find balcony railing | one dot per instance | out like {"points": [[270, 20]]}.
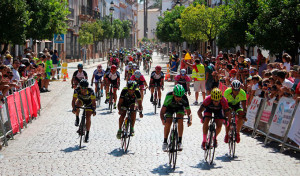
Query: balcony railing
{"points": [[83, 10], [71, 15], [96, 15]]}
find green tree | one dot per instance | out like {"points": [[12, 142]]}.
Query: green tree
{"points": [[167, 28], [126, 24], [235, 24], [118, 29], [48, 17], [14, 19], [277, 27], [201, 23]]}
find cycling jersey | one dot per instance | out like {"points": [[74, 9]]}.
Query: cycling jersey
{"points": [[114, 61], [175, 107], [156, 78], [139, 81], [129, 99], [86, 99], [79, 75], [234, 101], [183, 80], [217, 110], [113, 78], [98, 75]]}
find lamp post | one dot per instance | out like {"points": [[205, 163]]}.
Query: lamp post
{"points": [[178, 3], [111, 10]]}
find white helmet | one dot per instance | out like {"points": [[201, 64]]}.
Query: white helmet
{"points": [[236, 84], [182, 71], [137, 73]]}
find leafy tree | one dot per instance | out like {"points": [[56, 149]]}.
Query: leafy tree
{"points": [[48, 17], [235, 24], [277, 26], [201, 23], [14, 19], [118, 29], [167, 28], [85, 36], [126, 24]]}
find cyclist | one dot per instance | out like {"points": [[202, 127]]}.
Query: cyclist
{"points": [[84, 96], [121, 58], [78, 76], [235, 97], [183, 80], [141, 82], [97, 76], [148, 61], [214, 103], [157, 80], [114, 61], [175, 102], [128, 69], [128, 98], [113, 78]]}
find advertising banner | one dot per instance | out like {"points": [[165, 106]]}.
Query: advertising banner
{"points": [[252, 112], [267, 111], [294, 133]]}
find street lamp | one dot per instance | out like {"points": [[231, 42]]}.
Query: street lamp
{"points": [[178, 3], [111, 10]]}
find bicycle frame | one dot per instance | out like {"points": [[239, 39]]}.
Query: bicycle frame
{"points": [[232, 135], [111, 94], [211, 140], [126, 130], [82, 126]]}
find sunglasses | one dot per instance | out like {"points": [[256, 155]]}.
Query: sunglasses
{"points": [[216, 101]]}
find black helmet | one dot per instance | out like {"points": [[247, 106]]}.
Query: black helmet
{"points": [[131, 85], [84, 83], [79, 66]]}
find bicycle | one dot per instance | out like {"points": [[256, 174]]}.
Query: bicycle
{"points": [[232, 135], [98, 93], [210, 146], [173, 140], [82, 126], [155, 98], [147, 67], [111, 99], [126, 130]]}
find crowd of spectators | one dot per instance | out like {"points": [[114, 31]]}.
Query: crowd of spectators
{"points": [[15, 72], [259, 77]]}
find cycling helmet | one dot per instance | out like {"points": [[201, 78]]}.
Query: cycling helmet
{"points": [[148, 55], [134, 65], [137, 73], [178, 90], [113, 68], [182, 71], [131, 85], [99, 66], [114, 55], [79, 66], [158, 68], [84, 83], [129, 64], [216, 94], [236, 84]]}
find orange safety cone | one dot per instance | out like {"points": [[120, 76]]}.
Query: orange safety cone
{"points": [[67, 75], [64, 77]]}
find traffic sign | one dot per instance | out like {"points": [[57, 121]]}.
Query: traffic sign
{"points": [[59, 38]]}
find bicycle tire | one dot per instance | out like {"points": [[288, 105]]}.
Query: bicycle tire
{"points": [[81, 132], [123, 135], [212, 148], [110, 102], [175, 149], [171, 147], [128, 134], [155, 101]]}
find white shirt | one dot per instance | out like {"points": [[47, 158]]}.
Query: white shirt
{"points": [[287, 83], [16, 75], [256, 89], [287, 66]]}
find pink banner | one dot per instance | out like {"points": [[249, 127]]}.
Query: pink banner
{"points": [[28, 94], [34, 100], [222, 87], [12, 114], [38, 94], [25, 105], [19, 110]]}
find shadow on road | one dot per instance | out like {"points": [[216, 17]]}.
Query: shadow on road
{"points": [[165, 170], [205, 166], [72, 149], [118, 152], [227, 158], [149, 114]]}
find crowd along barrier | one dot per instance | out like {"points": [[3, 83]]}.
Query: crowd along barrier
{"points": [[18, 109], [276, 121]]}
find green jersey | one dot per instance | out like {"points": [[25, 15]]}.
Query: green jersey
{"points": [[234, 101]]}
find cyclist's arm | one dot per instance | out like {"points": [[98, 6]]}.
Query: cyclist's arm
{"points": [[201, 109], [140, 106], [85, 74], [244, 105], [120, 103], [92, 81], [94, 104], [162, 112]]}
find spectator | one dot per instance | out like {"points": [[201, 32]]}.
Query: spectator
{"points": [[48, 68], [199, 80], [208, 77], [259, 57], [263, 66], [286, 59], [55, 60], [16, 75], [7, 60]]}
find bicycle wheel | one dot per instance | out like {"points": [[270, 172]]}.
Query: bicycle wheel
{"points": [[81, 132], [110, 102], [98, 98], [123, 136], [155, 101], [211, 146], [171, 145], [175, 149]]}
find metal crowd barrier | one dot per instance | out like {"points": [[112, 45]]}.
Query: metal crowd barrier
{"points": [[5, 122], [263, 128]]}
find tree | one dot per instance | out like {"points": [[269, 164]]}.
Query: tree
{"points": [[167, 28], [118, 29], [48, 17], [14, 19], [108, 31], [85, 36], [277, 26], [201, 23], [235, 24]]}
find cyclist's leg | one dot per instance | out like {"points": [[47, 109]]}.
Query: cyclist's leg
{"points": [[240, 119], [115, 94], [96, 86], [88, 119], [180, 124], [78, 103], [121, 119], [142, 93], [167, 124], [207, 117], [219, 121], [133, 114]]}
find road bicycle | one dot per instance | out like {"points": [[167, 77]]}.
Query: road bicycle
{"points": [[232, 135], [98, 93], [173, 140], [82, 125], [126, 130], [111, 99], [147, 67], [210, 145], [155, 101]]}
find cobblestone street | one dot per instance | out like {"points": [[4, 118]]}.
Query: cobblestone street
{"points": [[49, 146]]}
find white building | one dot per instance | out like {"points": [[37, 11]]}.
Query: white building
{"points": [[153, 15]]}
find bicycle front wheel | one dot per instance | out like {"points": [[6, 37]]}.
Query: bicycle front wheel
{"points": [[125, 137], [232, 142], [210, 148], [175, 149]]}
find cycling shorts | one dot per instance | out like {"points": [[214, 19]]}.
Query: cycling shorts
{"points": [[236, 107], [155, 83], [86, 104], [218, 114], [171, 111]]}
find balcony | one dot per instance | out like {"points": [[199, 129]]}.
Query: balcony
{"points": [[83, 10], [71, 15], [96, 14]]}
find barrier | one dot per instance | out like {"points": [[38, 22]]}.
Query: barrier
{"points": [[18, 109], [276, 121]]}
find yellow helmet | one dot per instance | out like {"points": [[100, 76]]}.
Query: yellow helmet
{"points": [[216, 94]]}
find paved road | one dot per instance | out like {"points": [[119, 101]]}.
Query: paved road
{"points": [[49, 146]]}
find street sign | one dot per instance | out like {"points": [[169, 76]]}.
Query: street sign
{"points": [[59, 38]]}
